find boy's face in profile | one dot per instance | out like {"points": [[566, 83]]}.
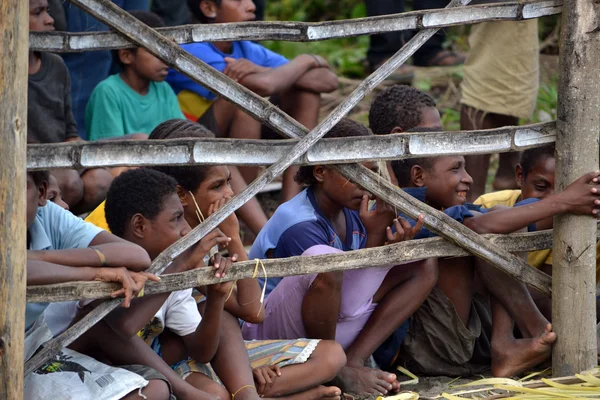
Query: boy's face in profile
{"points": [[54, 194], [39, 19], [230, 11], [36, 197], [539, 182], [447, 181], [144, 64], [166, 228]]}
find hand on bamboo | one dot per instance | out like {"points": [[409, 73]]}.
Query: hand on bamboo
{"points": [[582, 197], [193, 257], [132, 282], [403, 230], [221, 265], [376, 220]]}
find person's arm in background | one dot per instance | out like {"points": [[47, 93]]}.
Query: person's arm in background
{"points": [[581, 197]]}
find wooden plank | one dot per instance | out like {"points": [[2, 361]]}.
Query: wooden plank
{"points": [[161, 47], [366, 258], [13, 125], [574, 252], [82, 155], [303, 31]]}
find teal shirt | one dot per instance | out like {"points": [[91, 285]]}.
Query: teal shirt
{"points": [[115, 109]]}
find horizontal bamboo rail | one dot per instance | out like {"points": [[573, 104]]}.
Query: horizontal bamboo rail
{"points": [[374, 257], [80, 155], [304, 31]]}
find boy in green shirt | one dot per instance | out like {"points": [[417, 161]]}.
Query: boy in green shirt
{"points": [[135, 100]]}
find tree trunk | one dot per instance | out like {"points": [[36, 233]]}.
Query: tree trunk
{"points": [[578, 126]]}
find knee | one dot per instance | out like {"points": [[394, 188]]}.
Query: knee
{"points": [[428, 272], [96, 183], [157, 389], [217, 391], [331, 357]]}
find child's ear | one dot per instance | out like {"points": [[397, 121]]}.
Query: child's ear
{"points": [[139, 225], [43, 194], [125, 56], [397, 129], [182, 194], [319, 173], [208, 8], [417, 176], [519, 175]]}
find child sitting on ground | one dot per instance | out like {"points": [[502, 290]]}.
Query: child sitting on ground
{"points": [[135, 100], [535, 176], [454, 303], [303, 365], [63, 248], [50, 119], [294, 85], [359, 308]]}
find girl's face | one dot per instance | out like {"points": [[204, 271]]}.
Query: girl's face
{"points": [[339, 189], [215, 187]]}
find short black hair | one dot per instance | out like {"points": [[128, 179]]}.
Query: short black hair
{"points": [[345, 128], [188, 177], [149, 18], [194, 6], [530, 157], [142, 191], [402, 168], [39, 177], [397, 105]]}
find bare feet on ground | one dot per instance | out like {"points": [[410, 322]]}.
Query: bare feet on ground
{"points": [[316, 393], [364, 380], [521, 354]]}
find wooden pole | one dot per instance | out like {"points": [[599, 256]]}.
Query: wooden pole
{"points": [[13, 145], [574, 252]]}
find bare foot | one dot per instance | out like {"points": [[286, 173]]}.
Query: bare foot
{"points": [[316, 393], [364, 380], [522, 354]]}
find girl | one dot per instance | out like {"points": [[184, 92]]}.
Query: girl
{"points": [[359, 309]]}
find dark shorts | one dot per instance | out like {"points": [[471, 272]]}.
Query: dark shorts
{"points": [[438, 343]]}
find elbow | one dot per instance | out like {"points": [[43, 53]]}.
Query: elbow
{"points": [[140, 259]]}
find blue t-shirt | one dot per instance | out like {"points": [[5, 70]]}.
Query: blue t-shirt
{"points": [[214, 57], [458, 213], [297, 225], [55, 229]]}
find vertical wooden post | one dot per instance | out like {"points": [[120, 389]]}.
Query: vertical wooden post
{"points": [[13, 144], [574, 251]]}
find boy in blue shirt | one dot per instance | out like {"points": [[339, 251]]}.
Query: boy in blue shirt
{"points": [[294, 85], [136, 100]]}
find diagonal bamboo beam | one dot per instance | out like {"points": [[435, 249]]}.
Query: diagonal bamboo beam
{"points": [[161, 47], [366, 258], [303, 31], [81, 155]]}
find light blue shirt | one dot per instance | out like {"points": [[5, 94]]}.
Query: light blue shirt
{"points": [[55, 228]]}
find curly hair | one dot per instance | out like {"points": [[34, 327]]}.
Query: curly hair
{"points": [[345, 128], [137, 191], [530, 157], [402, 168], [188, 177], [397, 105], [39, 177]]}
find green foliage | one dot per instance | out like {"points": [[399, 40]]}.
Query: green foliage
{"points": [[314, 10]]}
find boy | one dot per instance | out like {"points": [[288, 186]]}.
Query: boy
{"points": [[454, 303], [50, 119], [535, 176], [155, 222], [294, 85], [63, 248], [135, 100], [399, 108]]}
